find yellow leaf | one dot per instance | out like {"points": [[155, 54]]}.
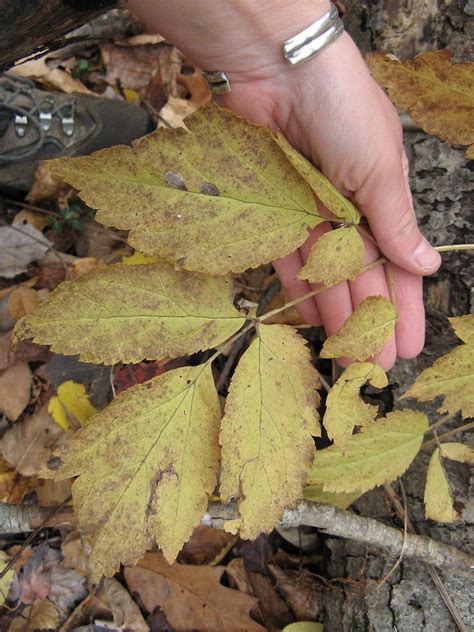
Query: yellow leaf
{"points": [[458, 452], [365, 333], [138, 258], [336, 256], [304, 626], [438, 95], [6, 579], [71, 397], [41, 615], [344, 408], [339, 205], [452, 375], [316, 494], [378, 454], [145, 464], [126, 313], [216, 197], [270, 417], [438, 501]]}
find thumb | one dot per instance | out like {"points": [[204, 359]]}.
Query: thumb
{"points": [[386, 201]]}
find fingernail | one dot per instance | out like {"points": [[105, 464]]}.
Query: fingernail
{"points": [[427, 258]]}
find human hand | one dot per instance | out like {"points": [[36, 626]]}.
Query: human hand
{"points": [[332, 111]]}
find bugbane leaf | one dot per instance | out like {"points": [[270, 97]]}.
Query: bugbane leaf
{"points": [[145, 465], [438, 500], [339, 205], [270, 415], [378, 454], [126, 313], [365, 333], [438, 94], [218, 196], [452, 375], [457, 452], [316, 494], [336, 256], [344, 407]]}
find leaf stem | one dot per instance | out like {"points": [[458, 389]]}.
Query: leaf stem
{"points": [[450, 247], [433, 442]]}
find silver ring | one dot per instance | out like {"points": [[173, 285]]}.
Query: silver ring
{"points": [[217, 81], [313, 39]]}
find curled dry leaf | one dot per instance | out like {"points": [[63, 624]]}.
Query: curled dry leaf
{"points": [[365, 332], [191, 597], [20, 246], [15, 390], [270, 417]]}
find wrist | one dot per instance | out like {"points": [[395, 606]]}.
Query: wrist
{"points": [[242, 37]]}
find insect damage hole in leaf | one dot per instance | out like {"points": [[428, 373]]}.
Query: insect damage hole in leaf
{"points": [[145, 467], [344, 407], [270, 418], [127, 313], [221, 195]]}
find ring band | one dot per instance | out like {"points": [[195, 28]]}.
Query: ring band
{"points": [[314, 38]]}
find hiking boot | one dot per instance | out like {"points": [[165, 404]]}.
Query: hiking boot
{"points": [[36, 125]]}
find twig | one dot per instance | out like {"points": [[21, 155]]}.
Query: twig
{"points": [[349, 525], [445, 435], [405, 533], [454, 247]]}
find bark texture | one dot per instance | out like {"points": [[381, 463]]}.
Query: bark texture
{"points": [[442, 185], [29, 25]]}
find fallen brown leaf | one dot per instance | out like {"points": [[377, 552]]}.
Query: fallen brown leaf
{"points": [[41, 615], [13, 486], [300, 590], [24, 300], [15, 390], [28, 445], [206, 546], [196, 86], [191, 597], [126, 613], [52, 78]]}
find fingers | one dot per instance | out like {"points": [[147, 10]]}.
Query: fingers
{"points": [[410, 329], [386, 201], [287, 269]]}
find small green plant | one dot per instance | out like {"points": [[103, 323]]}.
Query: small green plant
{"points": [[217, 198]]}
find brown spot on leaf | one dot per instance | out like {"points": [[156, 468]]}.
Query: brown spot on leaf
{"points": [[175, 180], [209, 189]]}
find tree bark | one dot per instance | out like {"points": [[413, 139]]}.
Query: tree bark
{"points": [[29, 26]]}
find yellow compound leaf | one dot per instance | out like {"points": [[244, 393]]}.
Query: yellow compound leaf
{"points": [[365, 333], [438, 95], [71, 398], [126, 313], [336, 256], [270, 417], [344, 407], [145, 464], [378, 454], [216, 197], [438, 500], [458, 452], [339, 205], [452, 375]]}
